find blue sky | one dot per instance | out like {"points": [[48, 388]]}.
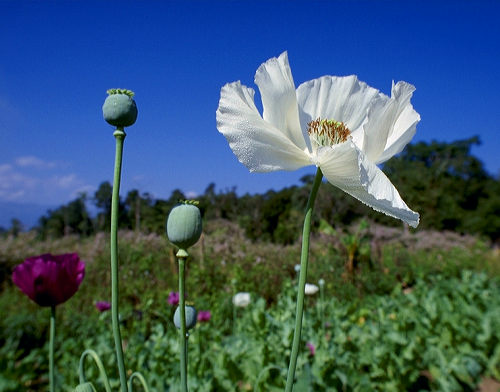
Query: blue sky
{"points": [[57, 60]]}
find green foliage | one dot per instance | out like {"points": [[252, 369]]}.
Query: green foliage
{"points": [[449, 330], [411, 311]]}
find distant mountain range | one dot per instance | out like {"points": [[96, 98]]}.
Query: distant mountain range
{"points": [[28, 214]]}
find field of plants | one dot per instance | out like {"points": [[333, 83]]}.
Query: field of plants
{"points": [[399, 311]]}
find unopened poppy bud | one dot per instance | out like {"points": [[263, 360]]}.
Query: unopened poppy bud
{"points": [[119, 108], [85, 387], [190, 317], [184, 225]]}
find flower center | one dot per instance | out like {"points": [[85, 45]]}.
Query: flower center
{"points": [[327, 132]]}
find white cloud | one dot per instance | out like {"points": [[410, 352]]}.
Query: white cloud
{"points": [[11, 196], [5, 168], [19, 183], [138, 178], [13, 185], [191, 194], [88, 189], [66, 181], [32, 161]]}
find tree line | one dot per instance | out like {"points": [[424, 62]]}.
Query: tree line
{"points": [[444, 182]]}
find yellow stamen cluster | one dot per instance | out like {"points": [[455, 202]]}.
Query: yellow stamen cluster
{"points": [[328, 132]]}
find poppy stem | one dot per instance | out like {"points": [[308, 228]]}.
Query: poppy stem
{"points": [[52, 336], [183, 331], [322, 309], [119, 135], [97, 361], [304, 259]]}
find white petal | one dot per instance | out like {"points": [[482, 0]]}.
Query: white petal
{"points": [[336, 98], [279, 99], [256, 143], [347, 168], [381, 118], [391, 127]]}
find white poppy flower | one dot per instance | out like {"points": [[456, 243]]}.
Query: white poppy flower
{"points": [[311, 289], [241, 300], [340, 124]]}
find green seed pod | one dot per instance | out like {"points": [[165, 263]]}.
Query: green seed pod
{"points": [[184, 225], [190, 317], [119, 108]]}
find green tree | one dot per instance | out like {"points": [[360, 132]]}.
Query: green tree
{"points": [[72, 218], [139, 208], [15, 227], [133, 207], [447, 185], [158, 211], [102, 200]]}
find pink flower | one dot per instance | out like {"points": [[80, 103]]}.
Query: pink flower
{"points": [[173, 298], [312, 348], [204, 316], [102, 306], [50, 280]]}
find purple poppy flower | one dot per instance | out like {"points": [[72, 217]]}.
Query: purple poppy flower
{"points": [[173, 298], [49, 280], [204, 316], [102, 306], [312, 348]]}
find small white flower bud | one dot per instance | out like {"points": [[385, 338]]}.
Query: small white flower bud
{"points": [[241, 300]]}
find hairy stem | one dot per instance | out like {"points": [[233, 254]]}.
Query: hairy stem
{"points": [[120, 136], [304, 259], [322, 309], [183, 336], [52, 337]]}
